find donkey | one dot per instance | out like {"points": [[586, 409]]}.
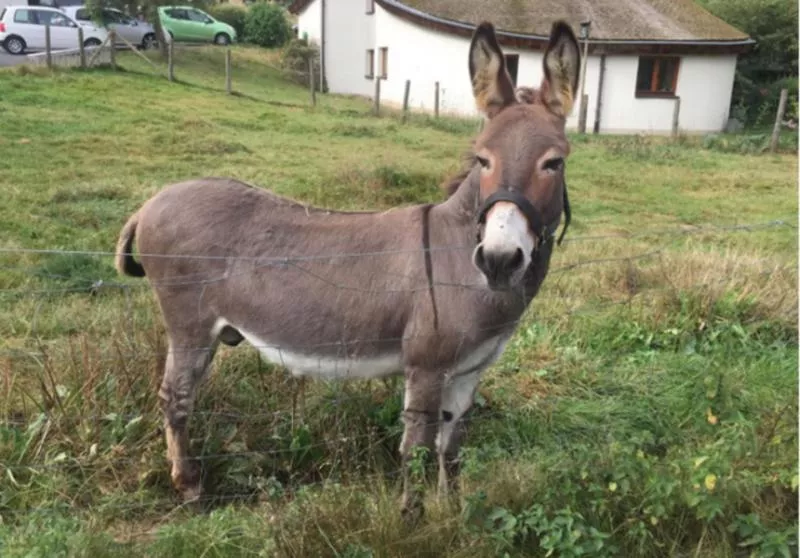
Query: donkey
{"points": [[429, 291]]}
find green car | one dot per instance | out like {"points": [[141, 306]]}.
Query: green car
{"points": [[187, 23]]}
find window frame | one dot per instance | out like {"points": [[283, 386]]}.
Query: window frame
{"points": [[515, 74], [27, 20], [383, 62], [370, 61], [658, 62]]}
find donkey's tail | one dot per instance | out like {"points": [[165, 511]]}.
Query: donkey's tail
{"points": [[124, 261]]}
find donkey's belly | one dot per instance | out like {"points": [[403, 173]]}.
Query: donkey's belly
{"points": [[332, 364]]}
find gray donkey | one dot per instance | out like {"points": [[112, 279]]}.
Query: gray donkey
{"points": [[430, 291]]}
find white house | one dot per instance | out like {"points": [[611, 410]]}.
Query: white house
{"points": [[643, 55]]}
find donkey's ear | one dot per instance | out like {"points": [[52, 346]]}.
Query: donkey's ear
{"points": [[491, 83], [562, 60]]}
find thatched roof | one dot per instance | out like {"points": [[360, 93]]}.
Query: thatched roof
{"points": [[617, 26], [615, 20]]}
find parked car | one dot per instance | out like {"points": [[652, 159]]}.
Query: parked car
{"points": [[23, 28], [138, 33], [186, 23]]}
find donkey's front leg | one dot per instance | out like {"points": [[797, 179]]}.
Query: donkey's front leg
{"points": [[423, 396], [457, 397]]}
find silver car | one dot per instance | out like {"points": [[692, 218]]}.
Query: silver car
{"points": [[138, 33]]}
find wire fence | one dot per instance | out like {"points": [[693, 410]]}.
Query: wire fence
{"points": [[562, 305]]}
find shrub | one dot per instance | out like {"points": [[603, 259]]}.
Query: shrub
{"points": [[267, 25], [295, 59], [232, 15]]}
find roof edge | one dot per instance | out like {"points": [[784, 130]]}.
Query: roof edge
{"points": [[538, 42], [298, 6]]}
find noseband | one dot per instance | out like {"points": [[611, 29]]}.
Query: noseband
{"points": [[543, 233]]}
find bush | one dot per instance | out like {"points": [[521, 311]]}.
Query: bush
{"points": [[267, 25], [232, 15], [295, 59]]}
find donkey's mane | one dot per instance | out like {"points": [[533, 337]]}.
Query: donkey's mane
{"points": [[529, 95]]}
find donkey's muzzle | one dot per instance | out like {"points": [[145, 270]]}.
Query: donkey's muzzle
{"points": [[499, 267]]}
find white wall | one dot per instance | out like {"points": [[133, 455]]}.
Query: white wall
{"points": [[426, 56], [309, 21], [704, 85], [349, 32]]}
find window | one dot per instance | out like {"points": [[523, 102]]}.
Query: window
{"points": [[53, 19], [114, 16], [384, 62], [512, 65], [200, 17], [370, 6], [177, 14], [83, 15], [24, 16], [657, 76], [368, 71]]}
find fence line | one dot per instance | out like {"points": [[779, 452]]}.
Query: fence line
{"points": [[561, 313], [294, 259], [684, 230], [92, 465]]}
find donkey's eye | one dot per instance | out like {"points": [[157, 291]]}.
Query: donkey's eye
{"points": [[484, 162], [555, 164]]}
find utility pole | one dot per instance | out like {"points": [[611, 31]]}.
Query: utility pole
{"points": [[585, 27]]}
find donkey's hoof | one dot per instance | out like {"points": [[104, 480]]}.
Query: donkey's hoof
{"points": [[412, 513], [191, 494], [187, 481]]}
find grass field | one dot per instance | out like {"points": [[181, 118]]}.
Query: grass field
{"points": [[647, 405]]}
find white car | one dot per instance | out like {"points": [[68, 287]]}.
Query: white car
{"points": [[23, 28], [138, 33]]}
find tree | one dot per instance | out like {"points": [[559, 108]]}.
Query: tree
{"points": [[772, 63]]}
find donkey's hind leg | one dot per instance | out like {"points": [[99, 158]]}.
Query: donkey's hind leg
{"points": [[186, 366]]}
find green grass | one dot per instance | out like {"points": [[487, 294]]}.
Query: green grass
{"points": [[647, 406]]}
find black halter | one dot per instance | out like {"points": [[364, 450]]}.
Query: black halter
{"points": [[543, 232]]}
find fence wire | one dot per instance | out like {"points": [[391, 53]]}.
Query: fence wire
{"points": [[53, 419]]}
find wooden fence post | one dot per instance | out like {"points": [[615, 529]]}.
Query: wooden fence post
{"points": [[405, 100], [228, 70], [436, 100], [676, 113], [170, 60], [113, 52], [312, 85], [582, 113], [81, 50], [376, 108], [47, 46], [776, 130]]}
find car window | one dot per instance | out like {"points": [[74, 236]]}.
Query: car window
{"points": [[113, 16], [55, 19], [194, 15], [24, 16], [83, 15], [2, 13], [177, 14]]}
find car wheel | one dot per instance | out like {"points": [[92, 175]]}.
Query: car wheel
{"points": [[149, 41], [14, 44], [222, 39], [91, 42]]}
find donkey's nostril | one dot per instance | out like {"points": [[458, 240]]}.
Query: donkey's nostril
{"points": [[480, 261], [516, 260], [499, 267]]}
